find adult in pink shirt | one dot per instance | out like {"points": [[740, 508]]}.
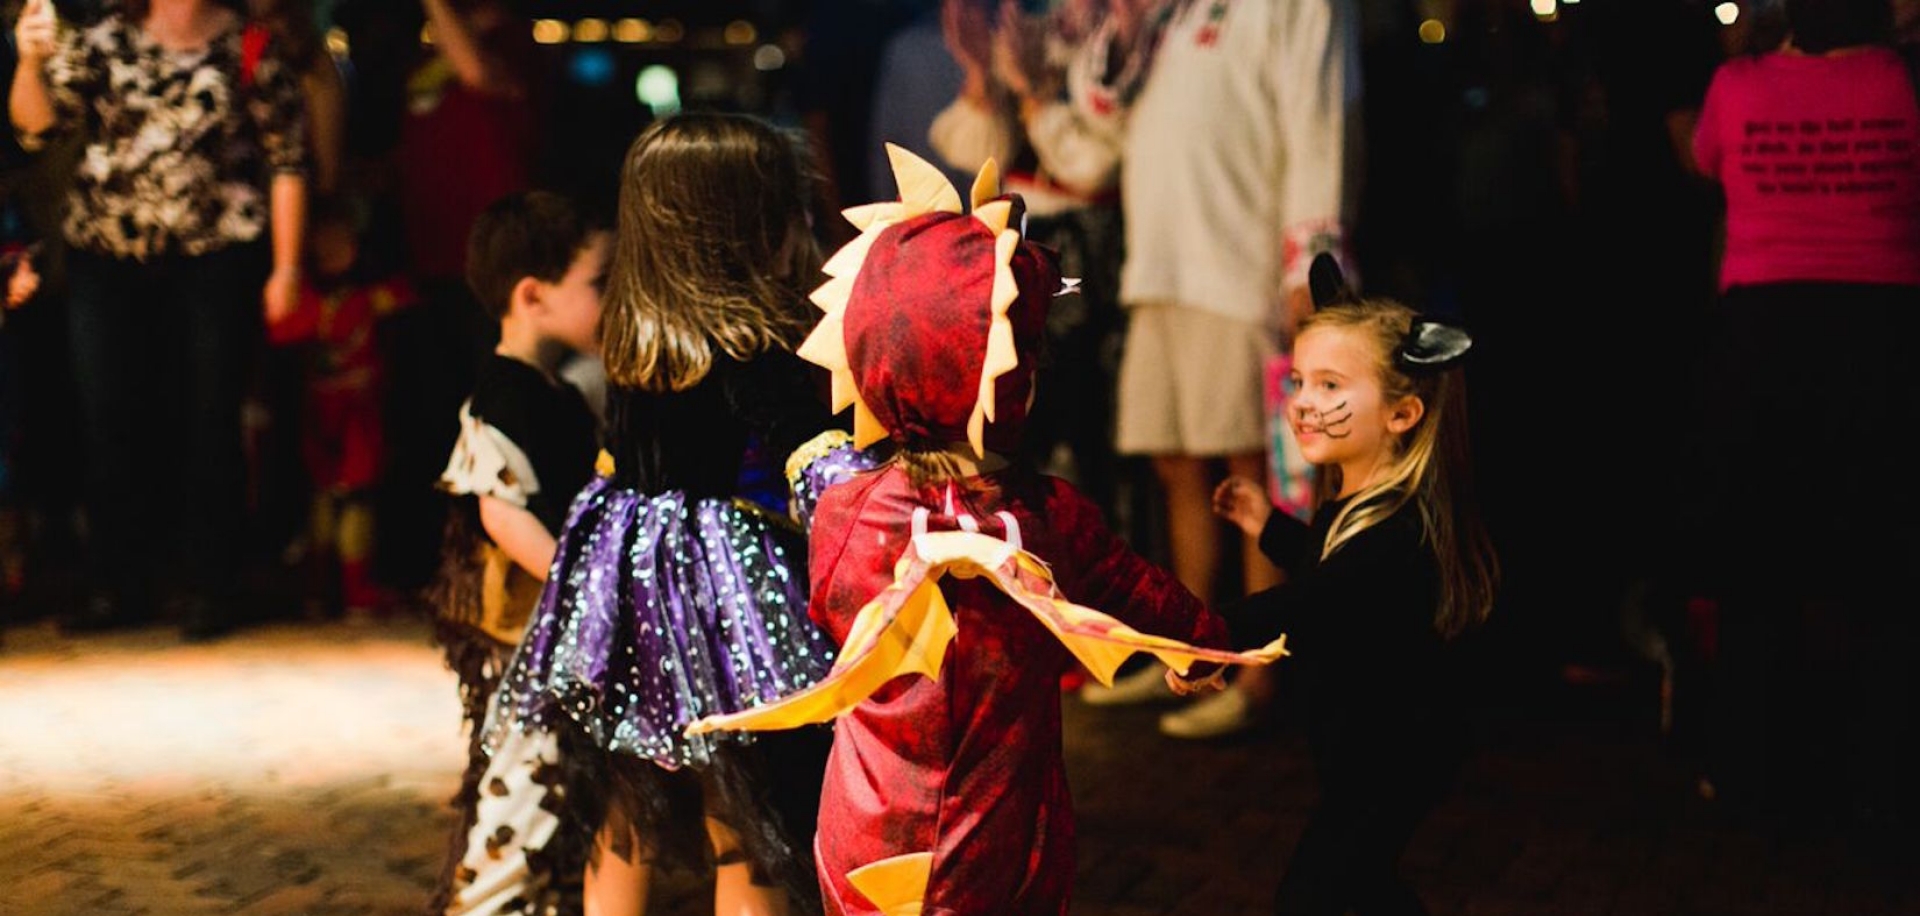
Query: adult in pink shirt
{"points": [[1801, 500]]}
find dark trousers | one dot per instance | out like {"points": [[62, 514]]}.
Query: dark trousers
{"points": [[432, 352], [1810, 526], [160, 356], [1348, 857]]}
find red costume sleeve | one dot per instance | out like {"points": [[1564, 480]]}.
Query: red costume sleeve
{"points": [[1104, 573], [834, 601]]}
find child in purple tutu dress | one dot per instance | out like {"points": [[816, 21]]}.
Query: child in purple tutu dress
{"points": [[673, 594]]}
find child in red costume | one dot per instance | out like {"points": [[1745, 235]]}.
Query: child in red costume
{"points": [[341, 442], [946, 792]]}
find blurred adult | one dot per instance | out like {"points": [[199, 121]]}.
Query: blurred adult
{"points": [[470, 135], [1817, 147], [280, 488], [1240, 164], [184, 220], [1045, 97]]}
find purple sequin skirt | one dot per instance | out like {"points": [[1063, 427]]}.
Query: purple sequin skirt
{"points": [[660, 610]]}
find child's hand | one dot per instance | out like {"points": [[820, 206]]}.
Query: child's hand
{"points": [[1210, 683], [1244, 503]]}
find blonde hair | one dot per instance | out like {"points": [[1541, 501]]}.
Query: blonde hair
{"points": [[1431, 468], [714, 250]]}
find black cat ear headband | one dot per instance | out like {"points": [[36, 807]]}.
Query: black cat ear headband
{"points": [[1428, 347]]}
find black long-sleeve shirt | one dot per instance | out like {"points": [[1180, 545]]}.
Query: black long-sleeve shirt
{"points": [[1380, 688]]}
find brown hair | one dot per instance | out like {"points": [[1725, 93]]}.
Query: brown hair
{"points": [[714, 250], [525, 234], [1432, 468], [932, 467]]}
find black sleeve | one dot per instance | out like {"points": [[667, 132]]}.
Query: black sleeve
{"points": [[1287, 542], [1258, 618], [1379, 587]]}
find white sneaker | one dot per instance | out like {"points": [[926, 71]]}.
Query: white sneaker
{"points": [[1147, 685], [1225, 713]]}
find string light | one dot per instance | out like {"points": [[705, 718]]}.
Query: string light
{"points": [[1728, 13], [590, 30], [1433, 31], [632, 31]]}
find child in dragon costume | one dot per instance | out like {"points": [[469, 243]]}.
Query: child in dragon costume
{"points": [[945, 574]]}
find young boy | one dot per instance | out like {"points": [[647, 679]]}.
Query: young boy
{"points": [[527, 444]]}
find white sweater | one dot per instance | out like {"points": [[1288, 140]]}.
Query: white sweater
{"points": [[1242, 151]]}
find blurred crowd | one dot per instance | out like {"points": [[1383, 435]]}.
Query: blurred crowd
{"points": [[1527, 169]]}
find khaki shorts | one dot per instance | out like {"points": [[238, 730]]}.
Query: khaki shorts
{"points": [[1191, 383]]}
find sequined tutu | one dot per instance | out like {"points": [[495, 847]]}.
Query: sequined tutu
{"points": [[660, 610]]}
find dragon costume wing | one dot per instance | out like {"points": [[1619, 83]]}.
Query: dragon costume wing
{"points": [[906, 630]]}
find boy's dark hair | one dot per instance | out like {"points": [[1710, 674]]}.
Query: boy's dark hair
{"points": [[525, 234]]}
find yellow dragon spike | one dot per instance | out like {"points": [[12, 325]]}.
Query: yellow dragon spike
{"points": [[923, 189]]}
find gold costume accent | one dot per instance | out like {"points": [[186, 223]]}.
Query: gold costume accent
{"points": [[906, 630]]}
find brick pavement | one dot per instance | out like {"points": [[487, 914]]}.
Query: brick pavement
{"points": [[303, 769]]}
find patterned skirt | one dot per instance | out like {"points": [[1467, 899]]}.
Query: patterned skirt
{"points": [[660, 610]]}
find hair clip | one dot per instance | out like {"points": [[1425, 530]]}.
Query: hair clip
{"points": [[1431, 346], [1068, 287]]}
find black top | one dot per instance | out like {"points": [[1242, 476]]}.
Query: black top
{"points": [[551, 423], [697, 440], [1379, 687]]}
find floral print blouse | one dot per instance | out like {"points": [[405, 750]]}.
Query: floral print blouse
{"points": [[180, 147]]}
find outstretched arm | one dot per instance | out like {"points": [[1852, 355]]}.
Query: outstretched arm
{"points": [[1103, 573], [462, 49]]}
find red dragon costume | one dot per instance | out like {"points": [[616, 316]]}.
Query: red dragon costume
{"points": [[946, 791]]}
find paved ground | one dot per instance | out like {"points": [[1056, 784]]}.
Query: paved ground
{"points": [[303, 769]]}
